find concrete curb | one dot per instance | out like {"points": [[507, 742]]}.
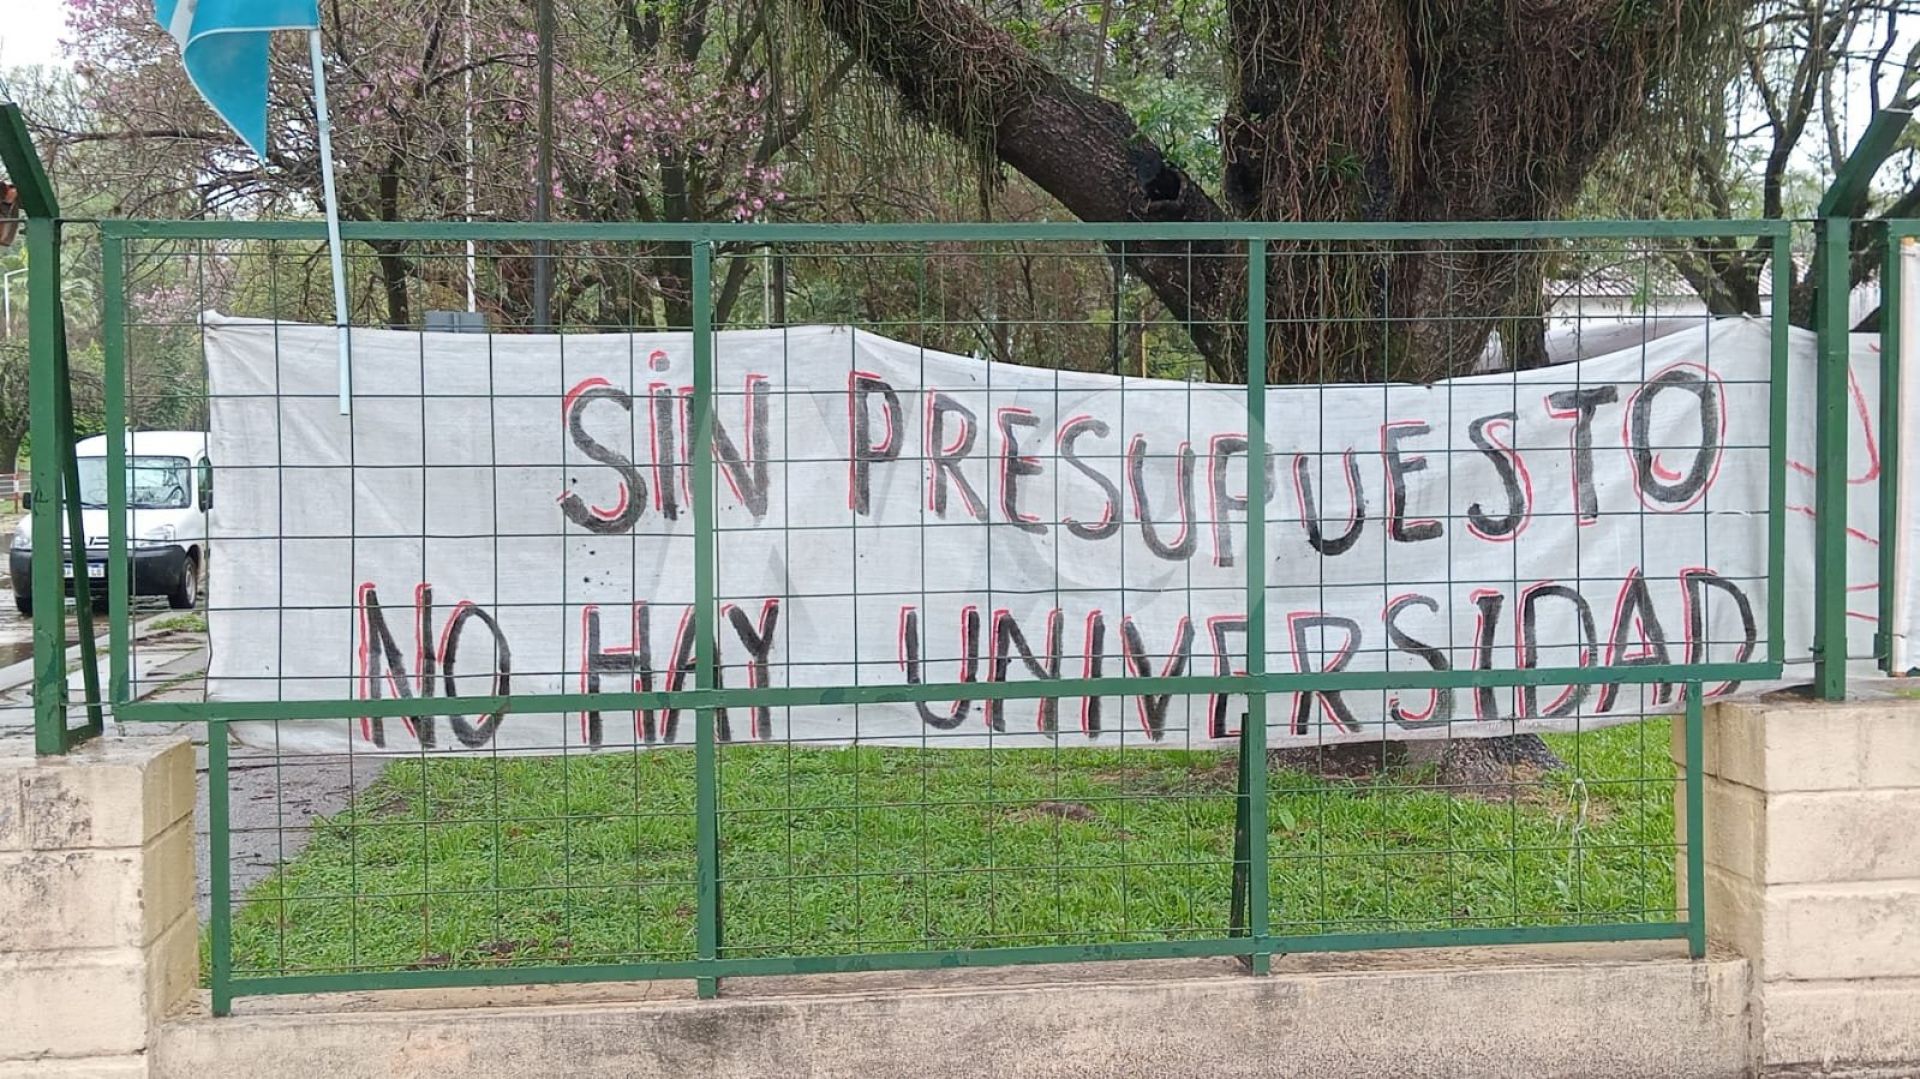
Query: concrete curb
{"points": [[1443, 1014]]}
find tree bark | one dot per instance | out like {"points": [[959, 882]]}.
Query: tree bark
{"points": [[393, 266], [1338, 110], [969, 78]]}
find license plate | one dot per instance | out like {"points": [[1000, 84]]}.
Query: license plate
{"points": [[95, 570]]}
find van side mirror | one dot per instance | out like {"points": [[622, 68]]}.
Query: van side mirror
{"points": [[26, 500], [206, 499]]}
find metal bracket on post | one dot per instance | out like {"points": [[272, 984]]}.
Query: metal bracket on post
{"points": [[1845, 200]]}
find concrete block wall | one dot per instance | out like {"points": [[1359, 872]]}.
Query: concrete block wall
{"points": [[1813, 873], [98, 936]]}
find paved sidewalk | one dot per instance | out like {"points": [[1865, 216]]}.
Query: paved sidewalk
{"points": [[270, 806]]}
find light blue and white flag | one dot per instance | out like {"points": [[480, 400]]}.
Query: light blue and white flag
{"points": [[223, 44]]}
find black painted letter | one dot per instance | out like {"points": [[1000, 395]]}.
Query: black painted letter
{"points": [[1310, 508], [862, 454], [1399, 468], [633, 489], [1109, 522], [1654, 482], [1579, 406], [1513, 480], [1013, 465], [1439, 708], [1183, 545], [943, 460]]}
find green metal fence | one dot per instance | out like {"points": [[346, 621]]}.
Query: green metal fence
{"points": [[1845, 203], [738, 859], [51, 418]]}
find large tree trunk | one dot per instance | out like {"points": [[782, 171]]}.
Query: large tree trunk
{"points": [[1339, 110], [1374, 110]]}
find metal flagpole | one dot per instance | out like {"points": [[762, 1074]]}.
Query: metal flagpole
{"points": [[543, 194], [333, 217], [466, 79]]}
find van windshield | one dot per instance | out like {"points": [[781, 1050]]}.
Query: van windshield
{"points": [[153, 483]]}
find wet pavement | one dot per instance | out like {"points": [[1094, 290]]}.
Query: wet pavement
{"points": [[16, 631], [273, 800]]}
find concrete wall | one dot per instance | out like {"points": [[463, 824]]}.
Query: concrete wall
{"points": [[1813, 872], [1633, 1013], [97, 930]]}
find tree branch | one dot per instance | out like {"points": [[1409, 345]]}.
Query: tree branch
{"points": [[183, 134], [969, 78], [743, 44], [1757, 71], [1803, 93], [780, 135], [730, 289], [643, 31], [1829, 113]]}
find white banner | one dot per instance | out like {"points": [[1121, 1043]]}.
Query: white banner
{"points": [[1905, 308], [512, 514]]}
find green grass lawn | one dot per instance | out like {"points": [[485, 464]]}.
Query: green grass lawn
{"points": [[591, 859]]}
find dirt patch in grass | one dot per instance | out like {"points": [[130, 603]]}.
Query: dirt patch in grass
{"points": [[1061, 810], [1215, 772]]}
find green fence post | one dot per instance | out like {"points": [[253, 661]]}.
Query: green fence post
{"points": [[113, 341], [1831, 262], [1889, 441], [1252, 868], [1696, 824], [1779, 391], [1845, 199], [55, 471], [707, 779], [83, 590], [44, 396], [49, 589], [220, 872]]}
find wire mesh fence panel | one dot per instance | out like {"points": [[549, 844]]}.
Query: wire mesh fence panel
{"points": [[837, 598]]}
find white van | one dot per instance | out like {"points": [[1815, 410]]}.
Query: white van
{"points": [[169, 491]]}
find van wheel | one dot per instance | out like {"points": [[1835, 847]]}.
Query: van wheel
{"points": [[23, 601], [186, 591]]}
